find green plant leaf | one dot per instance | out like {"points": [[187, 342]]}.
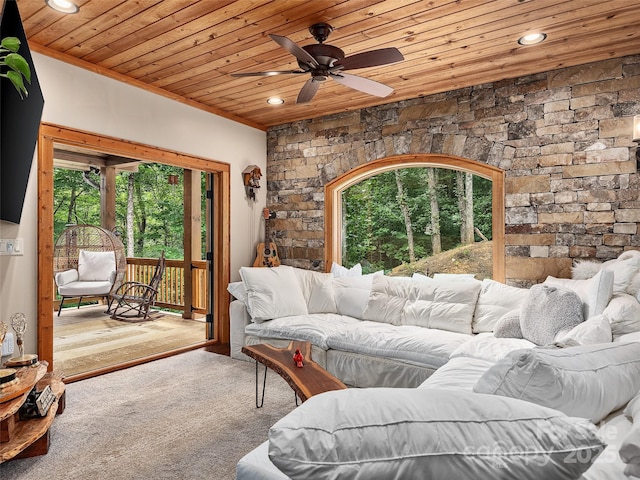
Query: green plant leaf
{"points": [[16, 79], [10, 43], [19, 64]]}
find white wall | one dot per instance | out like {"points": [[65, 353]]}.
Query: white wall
{"points": [[78, 98]]}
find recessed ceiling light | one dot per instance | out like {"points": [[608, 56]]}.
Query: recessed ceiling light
{"points": [[63, 6], [275, 101], [532, 38]]}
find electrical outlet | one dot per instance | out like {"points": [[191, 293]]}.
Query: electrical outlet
{"points": [[11, 246]]}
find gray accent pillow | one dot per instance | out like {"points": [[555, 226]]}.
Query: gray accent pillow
{"points": [[508, 326], [547, 311]]}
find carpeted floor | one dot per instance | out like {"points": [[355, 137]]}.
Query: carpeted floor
{"points": [[87, 339], [190, 416]]}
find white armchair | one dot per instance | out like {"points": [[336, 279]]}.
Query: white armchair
{"points": [[95, 276]]}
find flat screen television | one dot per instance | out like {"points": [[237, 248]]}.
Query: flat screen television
{"points": [[19, 124]]}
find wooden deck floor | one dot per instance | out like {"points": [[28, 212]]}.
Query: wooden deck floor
{"points": [[87, 339]]}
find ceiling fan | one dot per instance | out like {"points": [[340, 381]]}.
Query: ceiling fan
{"points": [[325, 61]]}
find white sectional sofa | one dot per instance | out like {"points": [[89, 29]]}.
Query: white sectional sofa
{"points": [[375, 332], [366, 343]]}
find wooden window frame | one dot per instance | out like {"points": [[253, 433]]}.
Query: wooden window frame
{"points": [[334, 189], [220, 230]]}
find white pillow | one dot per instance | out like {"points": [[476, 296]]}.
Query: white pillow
{"points": [[272, 292], [317, 288], [387, 299], [352, 294], [238, 291], [442, 304], [454, 276], [623, 313], [587, 381], [429, 433], [595, 292], [96, 266], [624, 268], [485, 346], [340, 271], [66, 277], [495, 300], [595, 330]]}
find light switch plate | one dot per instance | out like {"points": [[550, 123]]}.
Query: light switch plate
{"points": [[11, 246]]}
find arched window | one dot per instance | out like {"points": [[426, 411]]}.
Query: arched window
{"points": [[334, 190]]}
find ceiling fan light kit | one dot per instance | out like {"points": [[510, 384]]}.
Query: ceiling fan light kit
{"points": [[324, 61]]}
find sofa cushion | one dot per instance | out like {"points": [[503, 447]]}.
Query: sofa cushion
{"points": [[352, 294], [340, 271], [588, 381], [272, 292], [488, 347], [442, 304], [318, 291], [494, 301], [460, 373], [387, 299], [96, 266], [623, 313], [624, 269], [423, 346], [595, 293], [548, 311], [595, 330], [77, 289], [314, 328], [387, 433], [238, 291]]}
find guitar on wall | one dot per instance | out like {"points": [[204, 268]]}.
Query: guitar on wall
{"points": [[267, 253]]}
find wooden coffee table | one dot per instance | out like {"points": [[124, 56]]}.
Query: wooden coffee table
{"points": [[307, 381]]}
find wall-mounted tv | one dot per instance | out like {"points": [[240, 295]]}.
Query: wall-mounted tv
{"points": [[19, 124]]}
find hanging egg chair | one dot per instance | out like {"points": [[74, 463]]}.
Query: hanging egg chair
{"points": [[88, 261]]}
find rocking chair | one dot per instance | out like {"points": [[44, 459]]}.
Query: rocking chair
{"points": [[133, 299]]}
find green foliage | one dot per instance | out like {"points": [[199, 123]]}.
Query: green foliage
{"points": [[17, 66], [158, 207], [373, 224]]}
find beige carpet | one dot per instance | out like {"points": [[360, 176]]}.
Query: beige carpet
{"points": [[190, 416], [86, 339]]}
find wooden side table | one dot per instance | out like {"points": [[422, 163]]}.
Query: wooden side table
{"points": [[307, 381], [27, 438]]}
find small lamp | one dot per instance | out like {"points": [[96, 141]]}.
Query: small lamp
{"points": [[172, 179], [636, 129]]}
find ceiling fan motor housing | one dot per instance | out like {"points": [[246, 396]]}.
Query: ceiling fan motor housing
{"points": [[325, 55]]}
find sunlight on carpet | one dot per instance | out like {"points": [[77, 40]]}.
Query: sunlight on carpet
{"points": [[86, 339]]}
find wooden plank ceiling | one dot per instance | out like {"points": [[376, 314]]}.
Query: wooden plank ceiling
{"points": [[187, 49]]}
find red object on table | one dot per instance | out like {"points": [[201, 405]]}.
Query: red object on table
{"points": [[298, 358]]}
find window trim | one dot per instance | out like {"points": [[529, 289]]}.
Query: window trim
{"points": [[333, 198]]}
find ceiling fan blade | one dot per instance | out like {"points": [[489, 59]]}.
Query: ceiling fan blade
{"points": [[308, 91], [266, 74], [295, 50], [372, 58], [363, 84]]}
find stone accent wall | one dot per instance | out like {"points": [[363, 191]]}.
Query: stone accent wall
{"points": [[563, 137]]}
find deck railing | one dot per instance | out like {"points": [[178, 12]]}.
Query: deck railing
{"points": [[171, 289]]}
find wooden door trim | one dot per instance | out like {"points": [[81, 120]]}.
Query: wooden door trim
{"points": [[333, 198], [50, 134]]}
